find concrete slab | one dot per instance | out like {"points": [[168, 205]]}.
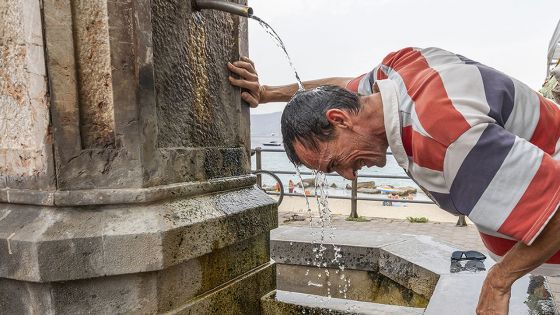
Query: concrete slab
{"points": [[458, 294], [417, 262], [287, 303]]}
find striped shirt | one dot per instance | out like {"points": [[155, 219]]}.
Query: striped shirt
{"points": [[477, 141]]}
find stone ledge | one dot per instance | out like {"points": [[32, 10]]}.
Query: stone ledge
{"points": [[417, 262], [288, 303], [150, 293], [109, 196], [43, 244]]}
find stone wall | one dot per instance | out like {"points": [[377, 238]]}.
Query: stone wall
{"points": [[126, 188], [25, 154]]}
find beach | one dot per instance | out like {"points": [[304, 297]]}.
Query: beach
{"points": [[369, 209]]}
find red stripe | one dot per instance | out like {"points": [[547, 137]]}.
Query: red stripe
{"points": [[427, 152], [407, 139], [435, 110], [547, 131], [537, 204], [500, 246], [353, 85], [381, 75]]}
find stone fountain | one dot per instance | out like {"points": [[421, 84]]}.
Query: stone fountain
{"points": [[124, 173]]}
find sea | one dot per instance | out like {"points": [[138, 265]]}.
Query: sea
{"points": [[278, 161]]}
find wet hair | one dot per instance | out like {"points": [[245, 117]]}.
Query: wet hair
{"points": [[304, 118]]}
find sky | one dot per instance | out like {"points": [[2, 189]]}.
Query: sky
{"points": [[330, 38]]}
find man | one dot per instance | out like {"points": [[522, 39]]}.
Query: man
{"points": [[478, 142]]}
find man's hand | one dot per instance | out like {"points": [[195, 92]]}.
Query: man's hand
{"points": [[495, 293], [519, 261], [249, 80]]}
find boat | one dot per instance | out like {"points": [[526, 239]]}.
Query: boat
{"points": [[387, 189], [273, 144]]}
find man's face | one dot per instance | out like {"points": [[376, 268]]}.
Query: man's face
{"points": [[347, 153]]}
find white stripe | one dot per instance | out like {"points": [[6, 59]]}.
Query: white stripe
{"points": [[416, 125], [508, 185], [464, 87], [389, 98], [364, 88], [406, 103], [406, 119], [430, 179], [526, 111], [437, 56], [458, 151]]}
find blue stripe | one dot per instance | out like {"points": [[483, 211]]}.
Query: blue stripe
{"points": [[443, 201], [480, 166], [500, 93], [499, 90]]}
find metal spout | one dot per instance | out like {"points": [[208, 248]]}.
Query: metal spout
{"points": [[233, 8]]}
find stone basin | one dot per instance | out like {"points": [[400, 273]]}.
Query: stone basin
{"points": [[389, 273]]}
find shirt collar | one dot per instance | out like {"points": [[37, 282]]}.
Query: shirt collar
{"points": [[389, 97]]}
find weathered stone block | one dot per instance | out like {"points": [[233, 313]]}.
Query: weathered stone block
{"points": [[241, 296], [49, 244], [198, 276], [190, 52], [350, 284], [234, 278], [408, 274], [127, 203], [24, 150]]}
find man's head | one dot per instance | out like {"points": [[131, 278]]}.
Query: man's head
{"points": [[331, 129]]}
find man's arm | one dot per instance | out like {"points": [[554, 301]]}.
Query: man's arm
{"points": [[258, 94], [284, 93], [520, 260]]}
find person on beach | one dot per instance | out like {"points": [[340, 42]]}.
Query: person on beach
{"points": [[478, 142]]}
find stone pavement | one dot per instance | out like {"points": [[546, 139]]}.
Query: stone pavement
{"points": [[463, 237], [466, 238]]}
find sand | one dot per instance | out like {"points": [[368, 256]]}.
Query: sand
{"points": [[371, 209]]}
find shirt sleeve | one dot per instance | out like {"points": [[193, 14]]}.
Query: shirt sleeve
{"points": [[363, 84], [504, 183]]}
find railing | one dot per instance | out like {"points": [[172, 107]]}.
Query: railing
{"points": [[354, 191]]}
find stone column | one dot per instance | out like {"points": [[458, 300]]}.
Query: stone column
{"points": [[125, 188]]}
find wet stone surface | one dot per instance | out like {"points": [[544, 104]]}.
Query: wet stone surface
{"points": [[195, 105], [416, 262]]}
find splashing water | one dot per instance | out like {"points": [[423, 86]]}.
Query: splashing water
{"points": [[319, 252], [280, 44], [321, 195], [298, 174]]}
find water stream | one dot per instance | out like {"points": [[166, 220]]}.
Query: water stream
{"points": [[321, 194], [280, 44]]}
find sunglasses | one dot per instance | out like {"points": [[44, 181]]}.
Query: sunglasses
{"points": [[471, 265], [467, 255]]}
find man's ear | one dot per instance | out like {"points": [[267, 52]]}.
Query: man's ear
{"points": [[339, 118]]}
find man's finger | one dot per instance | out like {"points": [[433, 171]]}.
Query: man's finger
{"points": [[252, 86], [250, 99], [248, 60], [243, 73], [245, 65]]}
